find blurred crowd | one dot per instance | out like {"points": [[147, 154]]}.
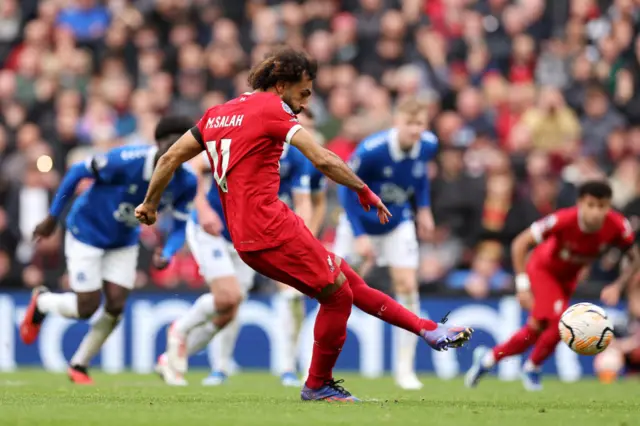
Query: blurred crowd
{"points": [[527, 97]]}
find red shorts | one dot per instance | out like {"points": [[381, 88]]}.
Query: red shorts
{"points": [[303, 263], [551, 297]]}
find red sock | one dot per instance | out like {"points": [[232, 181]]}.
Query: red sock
{"points": [[545, 345], [522, 340], [378, 304], [329, 334]]}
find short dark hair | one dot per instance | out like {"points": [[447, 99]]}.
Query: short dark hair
{"points": [[284, 65], [599, 189], [172, 125]]}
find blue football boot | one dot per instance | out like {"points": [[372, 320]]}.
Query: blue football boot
{"points": [[331, 391], [290, 379], [532, 379], [216, 378]]}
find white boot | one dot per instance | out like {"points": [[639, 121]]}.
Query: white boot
{"points": [[169, 376]]}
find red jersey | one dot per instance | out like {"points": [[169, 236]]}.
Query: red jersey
{"points": [[244, 139], [564, 248]]}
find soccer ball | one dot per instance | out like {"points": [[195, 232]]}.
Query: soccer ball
{"points": [[586, 329]]}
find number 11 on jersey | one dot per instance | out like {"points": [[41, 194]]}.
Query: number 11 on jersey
{"points": [[220, 157]]}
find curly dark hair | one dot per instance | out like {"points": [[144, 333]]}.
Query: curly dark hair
{"points": [[283, 65]]}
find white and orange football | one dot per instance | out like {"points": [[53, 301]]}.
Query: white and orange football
{"points": [[586, 329]]}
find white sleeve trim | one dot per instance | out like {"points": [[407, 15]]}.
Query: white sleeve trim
{"points": [[536, 231], [292, 131], [181, 215], [522, 282]]}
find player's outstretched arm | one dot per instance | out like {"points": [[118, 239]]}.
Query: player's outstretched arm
{"points": [[183, 150], [519, 249], [337, 170], [65, 192], [326, 161]]}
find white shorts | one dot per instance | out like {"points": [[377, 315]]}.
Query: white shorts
{"points": [[216, 257], [89, 266], [396, 249]]}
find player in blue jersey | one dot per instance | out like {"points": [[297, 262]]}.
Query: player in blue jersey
{"points": [[393, 163], [229, 278], [101, 242]]}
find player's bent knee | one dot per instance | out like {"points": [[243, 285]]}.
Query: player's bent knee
{"points": [[226, 304], [221, 320], [115, 307], [328, 291], [227, 295]]}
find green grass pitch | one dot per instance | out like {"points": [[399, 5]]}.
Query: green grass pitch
{"points": [[36, 398]]}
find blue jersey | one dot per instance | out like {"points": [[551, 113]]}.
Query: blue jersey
{"points": [[103, 216], [294, 174], [391, 173], [317, 180]]}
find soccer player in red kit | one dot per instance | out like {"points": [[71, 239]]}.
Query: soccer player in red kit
{"points": [[569, 240], [244, 139]]}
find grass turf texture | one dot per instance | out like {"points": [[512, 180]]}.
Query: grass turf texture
{"points": [[36, 398]]}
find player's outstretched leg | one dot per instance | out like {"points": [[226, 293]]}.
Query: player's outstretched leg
{"points": [[329, 334], [484, 360], [543, 348], [438, 336], [69, 305]]}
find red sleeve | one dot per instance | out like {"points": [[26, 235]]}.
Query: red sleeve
{"points": [[280, 123], [625, 235], [552, 224]]}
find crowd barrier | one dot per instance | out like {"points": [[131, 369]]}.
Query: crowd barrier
{"points": [[140, 337]]}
